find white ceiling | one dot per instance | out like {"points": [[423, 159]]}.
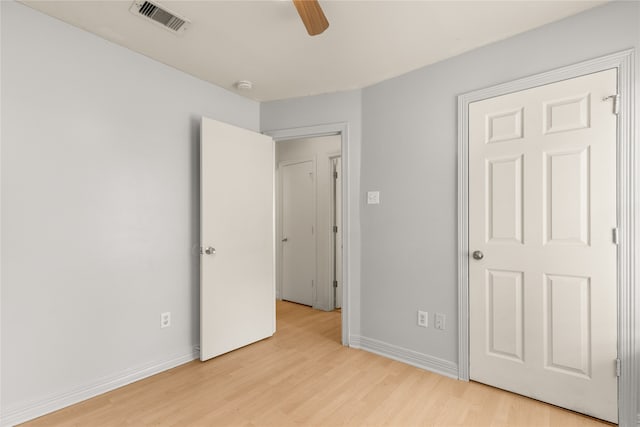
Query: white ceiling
{"points": [[266, 43]]}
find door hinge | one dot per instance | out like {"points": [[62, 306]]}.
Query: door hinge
{"points": [[335, 283], [616, 102], [335, 175], [335, 228], [618, 367], [615, 236]]}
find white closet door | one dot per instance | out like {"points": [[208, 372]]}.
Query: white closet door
{"points": [[542, 208]]}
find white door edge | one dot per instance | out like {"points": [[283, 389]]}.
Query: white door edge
{"points": [[328, 129], [628, 216]]}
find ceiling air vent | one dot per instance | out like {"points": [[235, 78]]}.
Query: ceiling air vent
{"points": [[160, 15]]}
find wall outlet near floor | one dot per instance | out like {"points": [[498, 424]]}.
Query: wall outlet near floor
{"points": [[423, 318], [165, 319], [440, 319]]}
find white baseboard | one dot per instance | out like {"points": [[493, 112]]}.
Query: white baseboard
{"points": [[354, 341], [24, 412], [410, 357]]}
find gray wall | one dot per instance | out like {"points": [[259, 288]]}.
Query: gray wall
{"points": [[100, 206], [342, 107], [409, 154]]}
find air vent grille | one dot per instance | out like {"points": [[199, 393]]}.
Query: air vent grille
{"points": [[160, 15]]}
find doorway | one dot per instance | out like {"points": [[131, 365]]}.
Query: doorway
{"points": [[306, 221]]}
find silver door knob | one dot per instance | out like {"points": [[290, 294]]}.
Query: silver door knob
{"points": [[285, 240], [477, 255], [209, 250]]}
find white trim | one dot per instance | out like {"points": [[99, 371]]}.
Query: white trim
{"points": [[36, 408], [628, 216], [410, 357], [341, 129], [333, 238], [354, 342]]}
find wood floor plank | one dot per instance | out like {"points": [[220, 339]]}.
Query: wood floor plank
{"points": [[302, 376]]}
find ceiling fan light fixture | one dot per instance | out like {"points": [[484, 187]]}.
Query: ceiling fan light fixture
{"points": [[243, 85]]}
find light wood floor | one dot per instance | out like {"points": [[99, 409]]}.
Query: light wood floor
{"points": [[302, 376]]}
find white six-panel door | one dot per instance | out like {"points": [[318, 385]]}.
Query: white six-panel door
{"points": [[298, 234], [237, 285], [542, 209]]}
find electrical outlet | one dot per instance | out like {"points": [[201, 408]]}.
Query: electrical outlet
{"points": [[423, 318], [165, 319], [440, 321]]}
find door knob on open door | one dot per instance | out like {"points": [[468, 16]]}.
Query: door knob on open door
{"points": [[477, 255], [209, 250], [285, 240]]}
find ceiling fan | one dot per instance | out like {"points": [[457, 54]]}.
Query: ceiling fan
{"points": [[312, 16]]}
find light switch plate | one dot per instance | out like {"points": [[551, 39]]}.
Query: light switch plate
{"points": [[373, 197]]}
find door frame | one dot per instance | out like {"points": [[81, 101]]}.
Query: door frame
{"points": [[279, 227], [627, 214], [333, 156], [329, 129]]}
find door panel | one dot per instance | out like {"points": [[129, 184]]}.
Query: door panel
{"points": [[237, 292], [566, 317], [298, 239], [504, 193], [505, 309], [542, 206]]}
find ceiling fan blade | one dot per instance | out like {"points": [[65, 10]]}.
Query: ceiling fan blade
{"points": [[312, 16]]}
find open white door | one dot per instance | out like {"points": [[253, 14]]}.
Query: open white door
{"points": [[237, 292]]}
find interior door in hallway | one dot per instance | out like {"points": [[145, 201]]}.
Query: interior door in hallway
{"points": [[298, 233], [542, 268], [237, 286]]}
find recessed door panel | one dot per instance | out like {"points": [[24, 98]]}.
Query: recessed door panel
{"points": [[568, 114], [504, 204], [567, 317], [504, 126], [504, 295], [566, 197]]}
